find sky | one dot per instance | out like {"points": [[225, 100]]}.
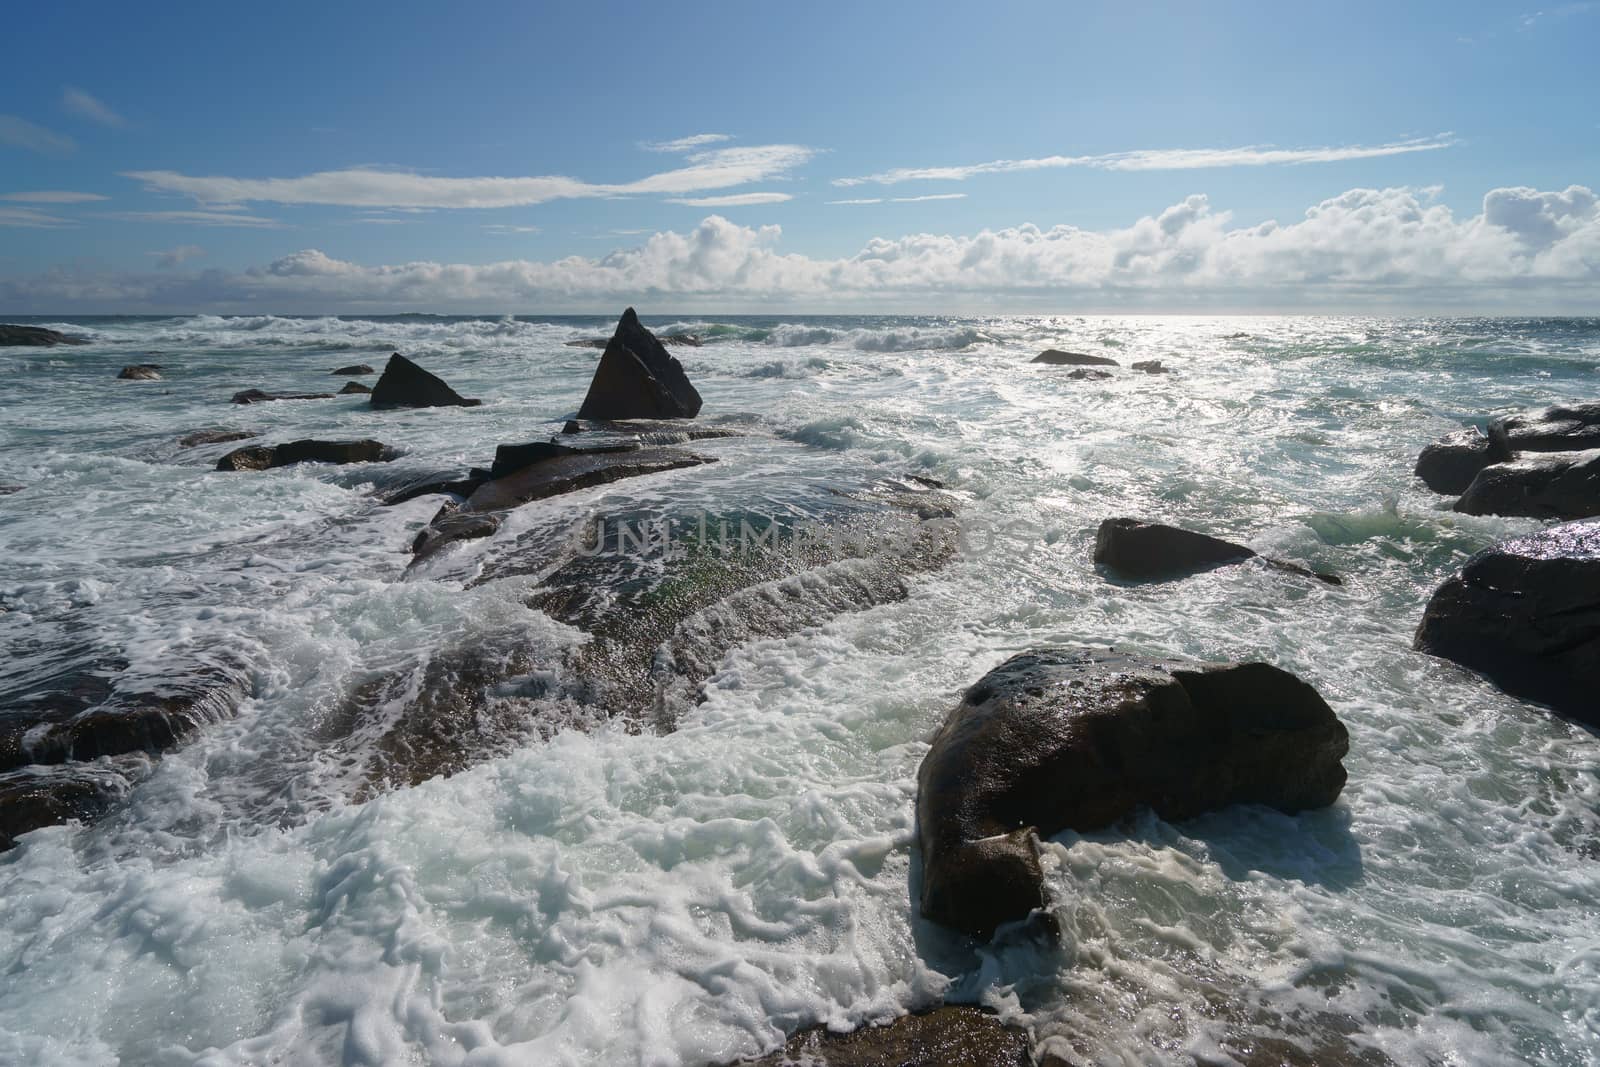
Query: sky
{"points": [[515, 157]]}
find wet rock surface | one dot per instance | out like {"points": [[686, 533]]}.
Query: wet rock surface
{"points": [[1539, 485], [1074, 739], [1526, 614], [215, 437], [1057, 358], [1450, 463], [258, 396], [638, 379], [354, 387], [264, 457], [140, 372], [406, 385], [1563, 485], [950, 1036], [1150, 551], [35, 337], [355, 368]]}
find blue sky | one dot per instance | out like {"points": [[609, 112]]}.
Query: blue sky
{"points": [[877, 156]]}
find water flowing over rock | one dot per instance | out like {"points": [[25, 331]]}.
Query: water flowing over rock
{"points": [[1563, 485], [35, 336], [638, 379], [1526, 614], [264, 457], [258, 396], [1073, 739], [406, 385], [214, 437], [356, 368], [1057, 358], [140, 372], [952, 1035]]}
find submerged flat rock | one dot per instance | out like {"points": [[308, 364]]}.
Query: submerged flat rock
{"points": [[579, 470], [265, 457], [257, 396]]}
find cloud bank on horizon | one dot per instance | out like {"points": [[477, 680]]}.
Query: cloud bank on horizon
{"points": [[1365, 245]]}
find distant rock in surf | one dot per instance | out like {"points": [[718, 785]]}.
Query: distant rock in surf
{"points": [[7, 490], [257, 396], [140, 372], [638, 379], [1073, 739], [357, 368], [1151, 366], [1057, 358], [1526, 614], [354, 387], [1088, 374], [1143, 550], [35, 336], [214, 437], [406, 385], [264, 457]]}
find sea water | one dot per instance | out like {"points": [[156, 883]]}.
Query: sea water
{"points": [[612, 895]]}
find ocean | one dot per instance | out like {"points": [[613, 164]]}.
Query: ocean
{"points": [[689, 885]]}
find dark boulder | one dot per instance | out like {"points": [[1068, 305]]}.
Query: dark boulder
{"points": [[452, 525], [1151, 550], [1151, 366], [578, 470], [572, 426], [638, 379], [510, 458], [35, 336], [257, 396], [355, 368], [1450, 463], [1563, 485], [956, 1034], [140, 372], [1089, 374], [354, 387], [263, 457], [214, 437], [406, 385], [1072, 739], [435, 484], [1526, 613], [1057, 358]]}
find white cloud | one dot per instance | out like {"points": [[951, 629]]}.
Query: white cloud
{"points": [[174, 257], [501, 228], [52, 196], [733, 200], [20, 133], [720, 168], [198, 218], [80, 103], [31, 218], [1364, 250], [1158, 159], [903, 199], [686, 144]]}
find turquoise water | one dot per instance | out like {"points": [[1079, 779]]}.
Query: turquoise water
{"points": [[609, 896]]}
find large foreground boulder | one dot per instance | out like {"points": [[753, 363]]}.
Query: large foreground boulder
{"points": [[1057, 358], [638, 379], [403, 384], [1562, 485], [35, 336], [1148, 551], [264, 457], [1072, 739], [1526, 613], [1451, 463]]}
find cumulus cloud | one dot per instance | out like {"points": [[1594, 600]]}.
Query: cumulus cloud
{"points": [[1158, 159], [52, 196], [80, 103], [174, 257], [686, 144], [720, 168], [732, 200], [1367, 249], [20, 133]]}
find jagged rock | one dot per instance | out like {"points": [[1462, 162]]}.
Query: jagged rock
{"points": [[263, 457], [1450, 463], [638, 379], [1564, 485], [354, 387], [214, 437], [1151, 366], [140, 372], [1057, 358], [1150, 550], [36, 336], [406, 385], [957, 1035], [257, 396], [1526, 613], [355, 368], [1072, 739]]}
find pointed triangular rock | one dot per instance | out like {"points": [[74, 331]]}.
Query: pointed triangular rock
{"points": [[406, 385], [638, 379]]}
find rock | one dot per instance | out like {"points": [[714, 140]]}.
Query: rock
{"points": [[256, 396], [36, 336], [1071, 739], [1151, 366], [432, 485], [7, 490], [263, 457], [406, 385], [140, 372], [354, 387], [571, 426], [957, 1034], [1526, 613], [1087, 374], [355, 368], [1450, 463], [214, 437], [1057, 358], [452, 525], [511, 458], [638, 379], [1562, 485], [1149, 550], [688, 340], [578, 470], [33, 797]]}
